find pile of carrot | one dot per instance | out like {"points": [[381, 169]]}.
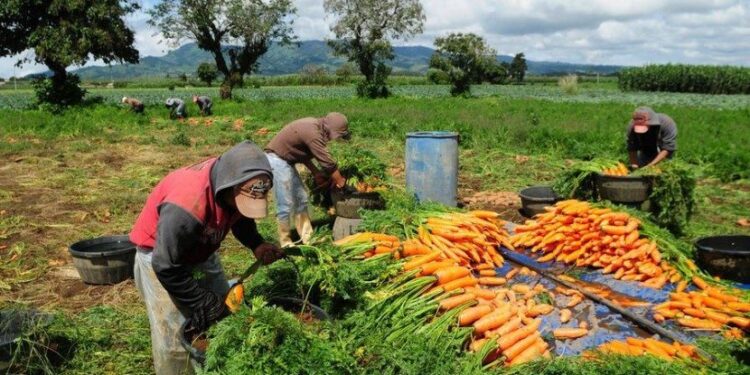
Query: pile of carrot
{"points": [[708, 308], [574, 232], [467, 238], [636, 347], [618, 170], [508, 318]]}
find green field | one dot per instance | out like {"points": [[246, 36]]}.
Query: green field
{"points": [[87, 172]]}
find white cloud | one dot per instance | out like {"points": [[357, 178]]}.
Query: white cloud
{"points": [[629, 32]]}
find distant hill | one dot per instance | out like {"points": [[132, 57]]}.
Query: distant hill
{"points": [[290, 59]]}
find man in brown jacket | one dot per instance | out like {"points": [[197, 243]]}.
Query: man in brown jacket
{"points": [[301, 142], [135, 104]]}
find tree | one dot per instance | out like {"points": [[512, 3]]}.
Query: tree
{"points": [[312, 74], [243, 29], [363, 31], [465, 59], [345, 72], [207, 73], [518, 67], [63, 33]]}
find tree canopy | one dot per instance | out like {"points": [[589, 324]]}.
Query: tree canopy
{"points": [[62, 33], [466, 59], [364, 29], [241, 29]]}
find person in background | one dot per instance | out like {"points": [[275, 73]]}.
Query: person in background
{"points": [[651, 138], [186, 217], [204, 104], [135, 104], [301, 142], [176, 108]]}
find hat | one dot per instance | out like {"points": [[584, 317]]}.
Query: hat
{"points": [[643, 117], [337, 126], [251, 197]]}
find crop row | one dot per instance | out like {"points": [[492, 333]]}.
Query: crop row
{"points": [[686, 78], [24, 98]]}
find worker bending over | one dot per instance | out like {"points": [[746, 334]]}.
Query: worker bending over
{"points": [[651, 138], [186, 217], [301, 142]]}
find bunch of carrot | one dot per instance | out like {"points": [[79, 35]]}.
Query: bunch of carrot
{"points": [[506, 318], [467, 238], [380, 243], [636, 347], [708, 308], [618, 170], [573, 231]]}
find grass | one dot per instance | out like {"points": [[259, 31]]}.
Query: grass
{"points": [[87, 172]]}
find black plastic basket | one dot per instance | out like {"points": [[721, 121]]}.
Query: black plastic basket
{"points": [[104, 260]]}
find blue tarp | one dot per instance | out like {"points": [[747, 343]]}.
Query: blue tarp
{"points": [[605, 325]]}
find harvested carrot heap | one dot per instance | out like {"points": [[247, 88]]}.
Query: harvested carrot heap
{"points": [[573, 232], [709, 308], [636, 347]]}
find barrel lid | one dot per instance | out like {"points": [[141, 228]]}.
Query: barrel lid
{"points": [[432, 134]]}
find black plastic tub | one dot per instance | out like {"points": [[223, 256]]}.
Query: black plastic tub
{"points": [[725, 256], [294, 305], [534, 199], [104, 260], [623, 189]]}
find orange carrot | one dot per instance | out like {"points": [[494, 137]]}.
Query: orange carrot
{"points": [[447, 274], [509, 326], [483, 293], [681, 286], [487, 273], [507, 340], [456, 301], [565, 315], [412, 264], [492, 320], [473, 314], [699, 282], [520, 346], [740, 322], [431, 267], [530, 354], [477, 345], [460, 283], [541, 309], [569, 333], [699, 323], [487, 280], [739, 306]]}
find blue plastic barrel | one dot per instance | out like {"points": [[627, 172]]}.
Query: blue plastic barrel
{"points": [[432, 166]]}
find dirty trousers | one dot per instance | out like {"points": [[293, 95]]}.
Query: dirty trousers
{"points": [[165, 317]]}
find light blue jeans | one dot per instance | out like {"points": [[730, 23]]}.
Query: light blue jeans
{"points": [[288, 189], [165, 317]]}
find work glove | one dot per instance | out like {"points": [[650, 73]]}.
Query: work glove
{"points": [[268, 253], [208, 311], [338, 180]]}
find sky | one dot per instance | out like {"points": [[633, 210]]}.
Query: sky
{"points": [[612, 32]]}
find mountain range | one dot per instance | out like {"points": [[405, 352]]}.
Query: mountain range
{"points": [[291, 58]]}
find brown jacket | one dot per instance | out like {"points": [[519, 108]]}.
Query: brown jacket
{"points": [[133, 102], [302, 140]]}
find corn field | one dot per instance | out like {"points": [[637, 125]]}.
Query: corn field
{"points": [[703, 79]]}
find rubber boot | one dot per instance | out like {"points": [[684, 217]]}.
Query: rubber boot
{"points": [[285, 233], [304, 226]]}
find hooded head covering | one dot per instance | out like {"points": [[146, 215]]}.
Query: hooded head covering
{"points": [[336, 125], [237, 166], [643, 117]]}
